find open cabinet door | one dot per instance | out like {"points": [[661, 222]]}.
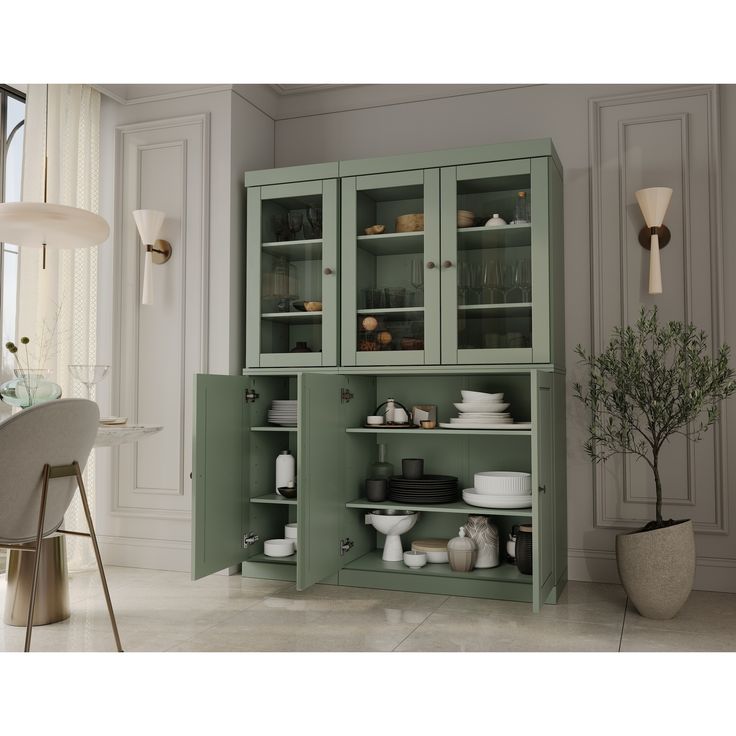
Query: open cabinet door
{"points": [[221, 454], [322, 437]]}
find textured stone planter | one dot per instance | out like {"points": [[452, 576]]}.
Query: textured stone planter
{"points": [[657, 568]]}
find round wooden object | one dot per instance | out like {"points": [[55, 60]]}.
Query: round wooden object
{"points": [[384, 337], [410, 223], [370, 324]]}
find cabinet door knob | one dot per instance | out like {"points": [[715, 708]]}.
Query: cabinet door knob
{"points": [[430, 264], [446, 264], [328, 271]]}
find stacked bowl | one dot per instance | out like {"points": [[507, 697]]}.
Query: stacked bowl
{"points": [[500, 489], [283, 413], [480, 410]]}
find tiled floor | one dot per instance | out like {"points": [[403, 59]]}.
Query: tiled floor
{"points": [[165, 611]]}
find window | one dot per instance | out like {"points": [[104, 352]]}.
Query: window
{"points": [[12, 119]]}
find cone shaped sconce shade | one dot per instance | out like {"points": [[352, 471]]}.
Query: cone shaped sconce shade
{"points": [[149, 223], [654, 202], [38, 224]]}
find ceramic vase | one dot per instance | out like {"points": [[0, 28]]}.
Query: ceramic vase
{"points": [[485, 535], [462, 552], [285, 470]]}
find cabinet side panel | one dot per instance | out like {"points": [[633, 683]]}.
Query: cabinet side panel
{"points": [[348, 247], [541, 305], [253, 279], [560, 476], [557, 267]]}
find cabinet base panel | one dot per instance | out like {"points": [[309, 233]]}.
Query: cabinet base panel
{"points": [[437, 585], [269, 571]]}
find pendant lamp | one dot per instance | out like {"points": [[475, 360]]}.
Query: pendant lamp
{"points": [[45, 225]]}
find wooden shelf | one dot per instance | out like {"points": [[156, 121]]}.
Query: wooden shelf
{"points": [[274, 498], [388, 244], [391, 310], [294, 318], [506, 573], [458, 507], [486, 432], [273, 429], [290, 560], [296, 250], [502, 236]]}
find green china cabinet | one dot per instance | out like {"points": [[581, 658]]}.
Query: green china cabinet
{"points": [[418, 310]]}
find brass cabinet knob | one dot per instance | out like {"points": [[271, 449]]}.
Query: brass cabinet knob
{"points": [[328, 271], [430, 264], [446, 264]]}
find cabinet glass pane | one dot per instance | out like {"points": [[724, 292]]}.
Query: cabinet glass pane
{"points": [[390, 269], [291, 274], [494, 262]]}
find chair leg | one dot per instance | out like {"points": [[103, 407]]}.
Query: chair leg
{"points": [[37, 562], [93, 537]]}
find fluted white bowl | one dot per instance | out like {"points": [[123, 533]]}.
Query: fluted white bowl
{"points": [[503, 483], [480, 396]]}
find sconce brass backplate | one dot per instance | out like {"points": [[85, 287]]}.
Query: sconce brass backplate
{"points": [[645, 237], [165, 247]]}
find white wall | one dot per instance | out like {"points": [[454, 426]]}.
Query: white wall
{"points": [[562, 113], [147, 522]]}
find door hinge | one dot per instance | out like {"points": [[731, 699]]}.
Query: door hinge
{"points": [[345, 395], [346, 545], [250, 395], [249, 538]]}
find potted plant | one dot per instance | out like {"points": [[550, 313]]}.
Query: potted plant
{"points": [[654, 380]]}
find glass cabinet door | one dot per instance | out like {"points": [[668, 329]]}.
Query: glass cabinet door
{"points": [[495, 293], [390, 271], [292, 275]]}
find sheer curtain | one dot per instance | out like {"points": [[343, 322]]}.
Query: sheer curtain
{"points": [[63, 297]]}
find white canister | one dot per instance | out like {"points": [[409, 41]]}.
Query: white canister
{"points": [[285, 470]]}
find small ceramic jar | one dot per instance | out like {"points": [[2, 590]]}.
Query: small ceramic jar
{"points": [[495, 221], [462, 552]]}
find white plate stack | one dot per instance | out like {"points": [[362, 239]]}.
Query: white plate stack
{"points": [[283, 413], [500, 489], [479, 410]]}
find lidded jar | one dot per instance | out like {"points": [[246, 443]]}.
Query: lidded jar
{"points": [[462, 552], [285, 470]]}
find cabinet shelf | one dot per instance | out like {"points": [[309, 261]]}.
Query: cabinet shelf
{"points": [[391, 244], [502, 236], [392, 310], [506, 573], [294, 318], [273, 498], [494, 307], [457, 507], [273, 429], [459, 432], [295, 250]]}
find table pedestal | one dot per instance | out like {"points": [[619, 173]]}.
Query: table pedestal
{"points": [[52, 594]]}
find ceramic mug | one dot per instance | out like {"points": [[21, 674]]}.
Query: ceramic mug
{"points": [[376, 489], [412, 468]]}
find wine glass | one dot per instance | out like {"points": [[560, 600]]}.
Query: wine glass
{"points": [[296, 222], [314, 217], [89, 375]]}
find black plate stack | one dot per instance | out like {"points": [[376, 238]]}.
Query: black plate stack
{"points": [[429, 489]]}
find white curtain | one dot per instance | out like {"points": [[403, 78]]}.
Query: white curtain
{"points": [[63, 297]]}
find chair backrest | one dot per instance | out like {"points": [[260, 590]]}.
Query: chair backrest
{"points": [[55, 433]]}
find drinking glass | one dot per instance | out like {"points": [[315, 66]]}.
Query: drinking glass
{"points": [[314, 218], [296, 222], [526, 278], [89, 375], [280, 227], [417, 279]]}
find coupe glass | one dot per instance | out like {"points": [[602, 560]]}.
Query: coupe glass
{"points": [[314, 217], [296, 222], [89, 375]]}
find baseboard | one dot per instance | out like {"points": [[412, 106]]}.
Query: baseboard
{"points": [[152, 554], [595, 566]]}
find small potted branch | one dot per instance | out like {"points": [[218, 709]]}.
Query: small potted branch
{"points": [[653, 381]]}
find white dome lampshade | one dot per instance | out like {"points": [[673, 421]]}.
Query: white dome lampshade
{"points": [[38, 224], [653, 203]]}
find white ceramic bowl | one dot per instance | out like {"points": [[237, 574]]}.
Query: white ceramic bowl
{"points": [[496, 502], [503, 483], [480, 396], [438, 556], [481, 406], [375, 420], [290, 531], [279, 547], [415, 559]]}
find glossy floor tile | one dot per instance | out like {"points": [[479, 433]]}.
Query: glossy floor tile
{"points": [[165, 611]]}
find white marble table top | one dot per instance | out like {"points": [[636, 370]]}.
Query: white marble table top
{"points": [[109, 435]]}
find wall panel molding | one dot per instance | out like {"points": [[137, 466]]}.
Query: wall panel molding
{"points": [[668, 138], [161, 164]]}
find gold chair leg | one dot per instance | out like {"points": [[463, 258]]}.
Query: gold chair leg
{"points": [[37, 563], [93, 537]]}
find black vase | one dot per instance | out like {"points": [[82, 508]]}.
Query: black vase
{"points": [[524, 550]]}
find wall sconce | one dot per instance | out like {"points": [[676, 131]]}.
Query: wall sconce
{"points": [[158, 251], [654, 203]]}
